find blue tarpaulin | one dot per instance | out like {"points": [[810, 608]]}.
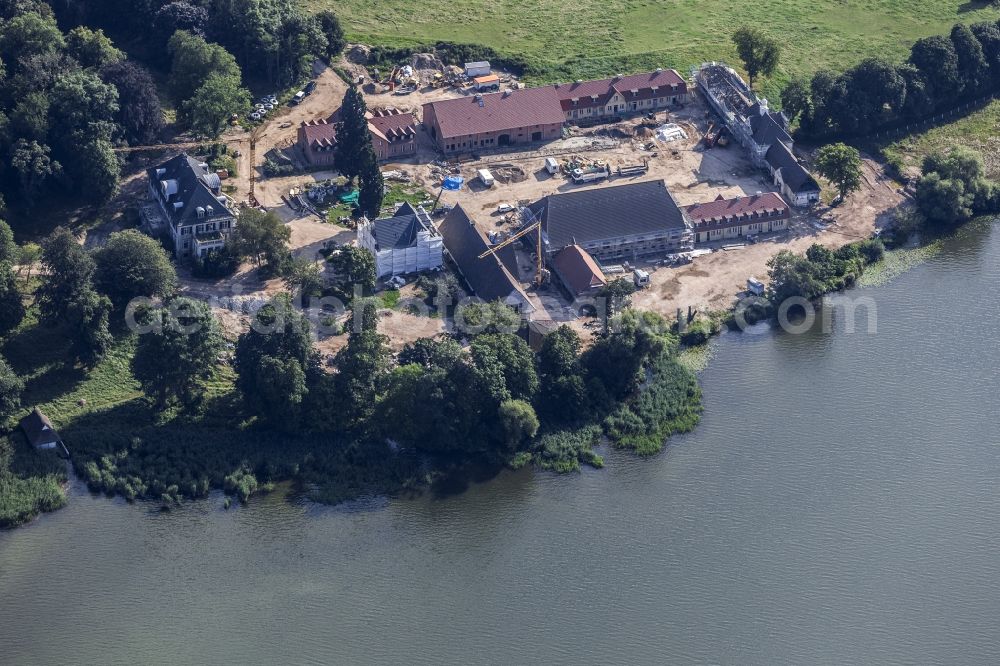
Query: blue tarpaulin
{"points": [[453, 183]]}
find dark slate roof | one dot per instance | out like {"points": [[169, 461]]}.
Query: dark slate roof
{"points": [[767, 128], [195, 187], [606, 213], [38, 429], [400, 230], [489, 277], [793, 174]]}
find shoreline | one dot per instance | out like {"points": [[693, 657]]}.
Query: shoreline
{"points": [[694, 358]]}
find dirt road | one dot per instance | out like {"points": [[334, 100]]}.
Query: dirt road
{"points": [[712, 281], [281, 129]]}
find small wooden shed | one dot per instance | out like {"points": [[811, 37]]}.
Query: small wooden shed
{"points": [[40, 433]]}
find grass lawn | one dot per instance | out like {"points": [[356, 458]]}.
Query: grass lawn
{"points": [[589, 38], [979, 130]]}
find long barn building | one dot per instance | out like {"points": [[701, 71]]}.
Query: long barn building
{"points": [[536, 115]]}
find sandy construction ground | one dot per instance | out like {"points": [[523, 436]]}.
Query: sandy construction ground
{"points": [[692, 173]]}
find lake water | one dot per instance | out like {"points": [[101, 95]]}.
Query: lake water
{"points": [[837, 504]]}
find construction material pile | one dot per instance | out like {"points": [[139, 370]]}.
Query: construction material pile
{"points": [[508, 173]]}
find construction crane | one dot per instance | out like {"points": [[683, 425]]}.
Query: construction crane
{"points": [[540, 272], [254, 137]]}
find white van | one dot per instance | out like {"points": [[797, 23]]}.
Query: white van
{"points": [[641, 278], [486, 177], [551, 165], [299, 96]]}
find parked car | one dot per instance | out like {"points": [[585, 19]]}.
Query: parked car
{"points": [[505, 208], [309, 87], [299, 96]]}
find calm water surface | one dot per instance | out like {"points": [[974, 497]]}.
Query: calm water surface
{"points": [[838, 504]]}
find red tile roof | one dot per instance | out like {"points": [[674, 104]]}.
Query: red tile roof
{"points": [[743, 207], [509, 110], [603, 89], [319, 132], [578, 270], [392, 124], [388, 124]]}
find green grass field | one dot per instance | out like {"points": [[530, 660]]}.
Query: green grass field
{"points": [[588, 38], [979, 131]]}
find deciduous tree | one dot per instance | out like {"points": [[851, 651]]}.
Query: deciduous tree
{"points": [[278, 338], [92, 48], [795, 100], [936, 59], [88, 320], [29, 34], [519, 423], [172, 360], [34, 167], [131, 264], [841, 165], [11, 303], [972, 64], [330, 26], [139, 111], [261, 236], [758, 52], [354, 266], [69, 270], [11, 387], [193, 61], [208, 110]]}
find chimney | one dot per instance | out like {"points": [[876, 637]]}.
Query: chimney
{"points": [[763, 107]]}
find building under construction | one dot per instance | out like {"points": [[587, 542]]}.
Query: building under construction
{"points": [[617, 223], [762, 132]]}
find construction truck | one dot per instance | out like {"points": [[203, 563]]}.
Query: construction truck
{"points": [[591, 174]]}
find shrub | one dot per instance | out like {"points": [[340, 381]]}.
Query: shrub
{"points": [[564, 450], [669, 402]]}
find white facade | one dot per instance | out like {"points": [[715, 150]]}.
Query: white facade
{"points": [[424, 252], [804, 198]]}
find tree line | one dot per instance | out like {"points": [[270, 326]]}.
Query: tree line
{"points": [[69, 94], [940, 71], [275, 39], [494, 400], [66, 98]]}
